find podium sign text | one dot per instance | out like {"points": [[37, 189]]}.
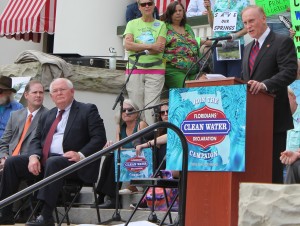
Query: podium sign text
{"points": [[213, 120]]}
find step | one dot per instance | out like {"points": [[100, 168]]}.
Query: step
{"points": [[82, 215]]}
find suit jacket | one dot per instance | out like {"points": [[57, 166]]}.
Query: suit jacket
{"points": [[14, 130], [275, 66], [84, 133]]}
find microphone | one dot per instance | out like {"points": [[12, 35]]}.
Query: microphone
{"points": [[287, 23], [145, 52], [220, 38]]}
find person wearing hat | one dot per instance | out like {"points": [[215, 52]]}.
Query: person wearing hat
{"points": [[7, 102]]}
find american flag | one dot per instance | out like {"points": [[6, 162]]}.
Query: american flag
{"points": [[162, 4]]}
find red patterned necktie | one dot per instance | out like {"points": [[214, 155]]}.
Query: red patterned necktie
{"points": [[49, 136], [253, 54]]}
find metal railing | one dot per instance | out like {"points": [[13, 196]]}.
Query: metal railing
{"points": [[99, 154]]}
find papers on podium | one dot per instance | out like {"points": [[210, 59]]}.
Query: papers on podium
{"points": [[214, 76]]}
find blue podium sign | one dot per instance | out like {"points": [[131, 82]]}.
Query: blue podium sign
{"points": [[213, 120]]}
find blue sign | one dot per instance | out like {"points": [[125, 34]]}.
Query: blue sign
{"points": [[132, 166], [213, 120]]}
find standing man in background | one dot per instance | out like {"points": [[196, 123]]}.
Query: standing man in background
{"points": [[270, 64], [7, 102], [197, 8]]}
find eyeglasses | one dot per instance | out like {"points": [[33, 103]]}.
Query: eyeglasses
{"points": [[127, 109], [55, 91], [164, 112], [146, 3]]}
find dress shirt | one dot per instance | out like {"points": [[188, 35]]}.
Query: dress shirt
{"points": [[196, 8], [56, 145]]}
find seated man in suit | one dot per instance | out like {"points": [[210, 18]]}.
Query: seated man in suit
{"points": [[65, 134], [17, 136], [20, 130]]}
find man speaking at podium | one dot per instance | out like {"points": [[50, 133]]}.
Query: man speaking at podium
{"points": [[270, 64]]}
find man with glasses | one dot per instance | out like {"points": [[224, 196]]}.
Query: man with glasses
{"points": [[65, 134]]}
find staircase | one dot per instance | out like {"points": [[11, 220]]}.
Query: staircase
{"points": [[87, 216]]}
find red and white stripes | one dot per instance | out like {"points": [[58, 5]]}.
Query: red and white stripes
{"points": [[23, 18]]}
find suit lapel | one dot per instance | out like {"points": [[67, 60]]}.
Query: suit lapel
{"points": [[263, 50], [71, 118], [247, 55]]}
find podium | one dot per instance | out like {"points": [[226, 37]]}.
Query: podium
{"points": [[212, 197]]}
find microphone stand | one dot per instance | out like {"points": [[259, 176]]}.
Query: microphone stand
{"points": [[210, 51], [120, 98], [152, 216]]}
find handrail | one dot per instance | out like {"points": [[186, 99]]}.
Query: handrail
{"points": [[99, 154]]}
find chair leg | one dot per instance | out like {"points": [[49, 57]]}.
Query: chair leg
{"points": [[135, 209], [34, 210], [96, 203], [167, 202], [56, 214], [67, 209], [169, 211]]}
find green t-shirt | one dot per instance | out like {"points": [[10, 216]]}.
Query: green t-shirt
{"points": [[146, 33]]}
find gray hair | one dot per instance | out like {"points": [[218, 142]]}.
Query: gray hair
{"points": [[69, 83]]}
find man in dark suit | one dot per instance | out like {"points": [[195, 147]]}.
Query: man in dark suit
{"points": [[78, 132], [272, 68]]}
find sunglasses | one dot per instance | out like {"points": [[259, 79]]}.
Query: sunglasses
{"points": [[146, 3], [127, 109], [164, 112], [1, 91]]}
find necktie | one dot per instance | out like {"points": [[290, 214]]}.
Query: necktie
{"points": [[49, 136], [253, 54], [26, 127]]}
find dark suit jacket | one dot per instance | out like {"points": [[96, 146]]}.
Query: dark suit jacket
{"points": [[14, 130], [84, 133], [275, 66]]}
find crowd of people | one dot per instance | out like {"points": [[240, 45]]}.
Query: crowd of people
{"points": [[36, 142]]}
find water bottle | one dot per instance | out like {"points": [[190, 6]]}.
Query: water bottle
{"points": [[112, 58]]}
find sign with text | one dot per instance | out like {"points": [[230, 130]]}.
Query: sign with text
{"points": [[132, 166], [225, 21], [272, 7], [295, 17], [213, 120]]}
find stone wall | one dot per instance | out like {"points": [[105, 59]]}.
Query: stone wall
{"points": [[83, 77]]}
